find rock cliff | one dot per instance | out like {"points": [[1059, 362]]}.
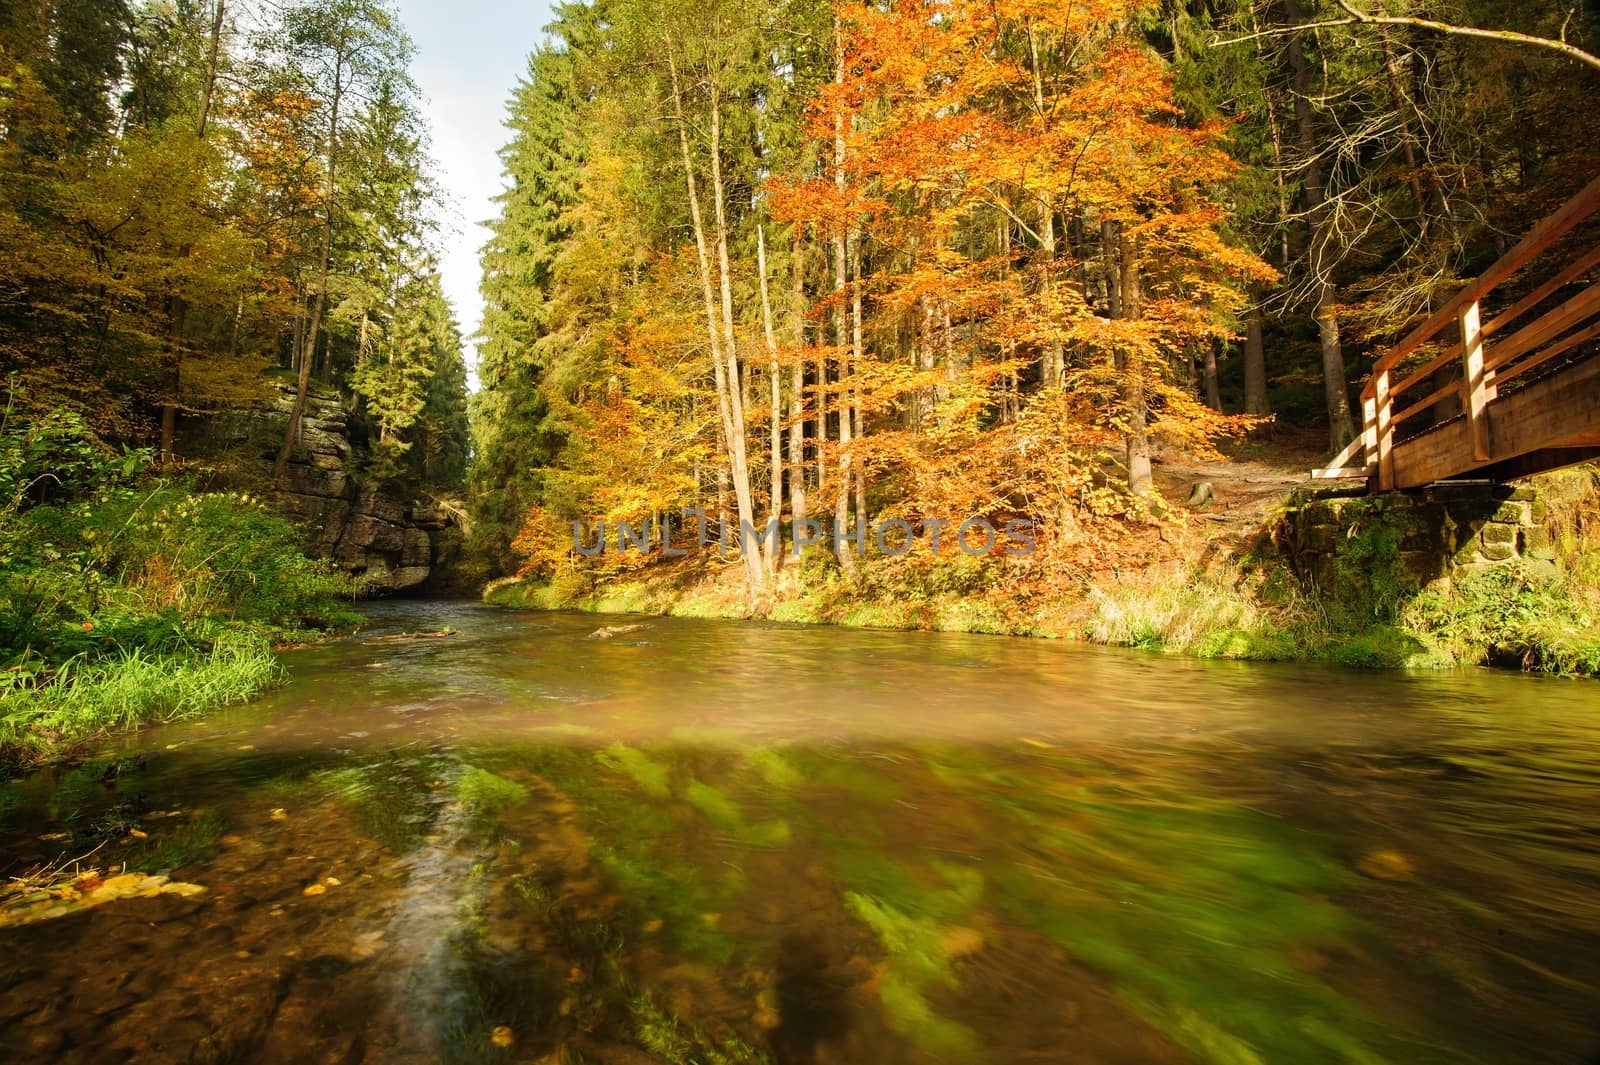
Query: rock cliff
{"points": [[396, 544]]}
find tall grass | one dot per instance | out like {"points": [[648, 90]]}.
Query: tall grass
{"points": [[86, 697]]}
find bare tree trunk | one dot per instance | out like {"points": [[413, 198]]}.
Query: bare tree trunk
{"points": [[1341, 426], [1213, 387], [308, 340], [841, 262], [719, 333], [1255, 358], [797, 390], [776, 418]]}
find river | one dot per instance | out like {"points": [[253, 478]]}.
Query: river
{"points": [[726, 843]]}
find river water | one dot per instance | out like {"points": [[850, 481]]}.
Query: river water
{"points": [[725, 843]]}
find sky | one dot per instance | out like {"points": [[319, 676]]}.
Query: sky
{"points": [[469, 56]]}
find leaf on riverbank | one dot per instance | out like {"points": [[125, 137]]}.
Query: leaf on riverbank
{"points": [[30, 900]]}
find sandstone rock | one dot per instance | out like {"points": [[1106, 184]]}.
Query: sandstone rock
{"points": [[417, 549]]}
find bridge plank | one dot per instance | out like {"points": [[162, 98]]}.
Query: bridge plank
{"points": [[1547, 412], [1560, 347], [1540, 237], [1437, 455], [1540, 294], [1545, 328]]}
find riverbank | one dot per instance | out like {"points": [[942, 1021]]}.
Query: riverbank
{"points": [[1206, 589], [129, 595]]}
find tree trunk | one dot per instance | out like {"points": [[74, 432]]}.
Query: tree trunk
{"points": [[841, 263], [752, 553], [718, 333], [776, 419], [308, 340], [857, 350], [1255, 358], [1213, 387], [1053, 368], [1130, 290], [797, 391], [179, 307], [1341, 426]]}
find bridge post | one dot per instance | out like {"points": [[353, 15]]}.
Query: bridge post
{"points": [[1383, 428], [1475, 381]]}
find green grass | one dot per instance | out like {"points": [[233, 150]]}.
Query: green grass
{"points": [[84, 698]]}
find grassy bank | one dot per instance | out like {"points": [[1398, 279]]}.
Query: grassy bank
{"points": [[127, 596], [1193, 600]]}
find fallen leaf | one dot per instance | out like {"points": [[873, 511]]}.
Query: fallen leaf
{"points": [[331, 881], [136, 834], [315, 889], [280, 814], [185, 891], [1385, 865], [502, 1037]]}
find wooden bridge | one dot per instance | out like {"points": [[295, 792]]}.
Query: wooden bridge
{"points": [[1491, 392]]}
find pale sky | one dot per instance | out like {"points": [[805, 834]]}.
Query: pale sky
{"points": [[470, 54]]}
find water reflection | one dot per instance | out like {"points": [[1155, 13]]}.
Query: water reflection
{"points": [[717, 843]]}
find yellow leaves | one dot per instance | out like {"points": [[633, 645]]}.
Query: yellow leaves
{"points": [[27, 901]]}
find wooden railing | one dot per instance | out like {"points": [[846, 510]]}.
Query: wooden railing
{"points": [[1475, 371]]}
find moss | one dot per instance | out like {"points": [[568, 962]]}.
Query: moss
{"points": [[184, 845], [390, 797], [651, 776], [485, 792], [915, 922]]}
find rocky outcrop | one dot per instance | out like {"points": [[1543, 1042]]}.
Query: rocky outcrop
{"points": [[1334, 536], [393, 544]]}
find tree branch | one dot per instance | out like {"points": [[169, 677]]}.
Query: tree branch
{"points": [[1363, 18]]}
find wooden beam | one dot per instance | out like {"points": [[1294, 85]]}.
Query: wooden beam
{"points": [[1540, 237], [1556, 408], [1560, 347], [1540, 294], [1369, 430], [1478, 389], [1383, 451], [1440, 453], [1425, 371], [1546, 327], [1425, 402], [1343, 459]]}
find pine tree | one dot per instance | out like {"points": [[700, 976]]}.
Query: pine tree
{"points": [[514, 434]]}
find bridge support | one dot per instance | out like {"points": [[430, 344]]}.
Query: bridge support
{"points": [[1358, 546]]}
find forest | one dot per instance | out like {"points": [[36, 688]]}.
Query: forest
{"points": [[926, 263], [206, 211], [782, 277]]}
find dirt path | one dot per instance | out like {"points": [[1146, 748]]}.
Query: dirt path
{"points": [[1246, 487]]}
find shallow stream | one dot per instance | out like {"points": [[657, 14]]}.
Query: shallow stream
{"points": [[724, 843]]}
